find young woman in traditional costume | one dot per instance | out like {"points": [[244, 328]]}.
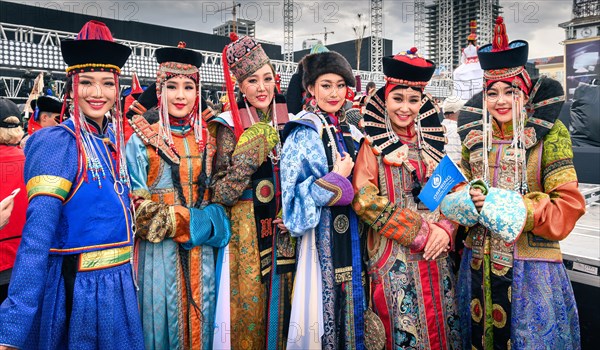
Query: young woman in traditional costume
{"points": [[72, 283], [261, 254], [522, 200], [412, 284], [179, 229], [317, 161]]}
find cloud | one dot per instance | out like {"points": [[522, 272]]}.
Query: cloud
{"points": [[534, 21], [537, 22]]}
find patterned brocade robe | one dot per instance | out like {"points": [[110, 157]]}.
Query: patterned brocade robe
{"points": [[328, 300], [413, 297], [260, 286], [168, 273], [518, 295]]}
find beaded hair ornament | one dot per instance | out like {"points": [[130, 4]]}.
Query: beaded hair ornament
{"points": [[166, 71], [519, 80]]}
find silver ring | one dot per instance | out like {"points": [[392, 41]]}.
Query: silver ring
{"points": [[119, 188]]}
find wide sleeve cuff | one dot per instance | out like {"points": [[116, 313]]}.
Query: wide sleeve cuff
{"points": [[181, 232], [403, 226], [458, 207], [530, 200], [450, 229], [420, 240], [342, 190], [209, 226], [372, 208], [155, 221], [504, 213]]}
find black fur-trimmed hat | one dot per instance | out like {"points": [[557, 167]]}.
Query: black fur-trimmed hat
{"points": [[317, 64], [47, 104]]}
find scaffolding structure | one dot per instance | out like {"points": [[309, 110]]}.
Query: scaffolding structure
{"points": [[486, 21], [419, 37], [463, 11], [376, 36], [585, 8], [445, 25], [288, 31]]}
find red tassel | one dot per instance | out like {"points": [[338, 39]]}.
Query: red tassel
{"points": [[500, 42], [64, 107], [95, 30], [118, 128], [349, 94], [235, 113], [278, 83], [81, 161]]}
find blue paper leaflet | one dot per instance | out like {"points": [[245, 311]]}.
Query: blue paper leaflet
{"points": [[445, 176]]}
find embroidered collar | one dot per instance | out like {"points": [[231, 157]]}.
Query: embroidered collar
{"points": [[384, 141], [95, 128], [545, 102]]}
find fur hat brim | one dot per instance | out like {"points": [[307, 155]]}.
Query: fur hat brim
{"points": [[317, 64]]}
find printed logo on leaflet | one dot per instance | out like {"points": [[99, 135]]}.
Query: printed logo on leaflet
{"points": [[437, 181]]}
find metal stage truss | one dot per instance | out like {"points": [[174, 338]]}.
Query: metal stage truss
{"points": [[25, 50]]}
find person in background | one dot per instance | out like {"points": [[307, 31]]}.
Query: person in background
{"points": [[12, 162], [370, 89], [5, 210], [451, 108], [46, 113]]}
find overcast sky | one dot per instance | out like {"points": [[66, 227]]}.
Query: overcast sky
{"points": [[534, 21]]}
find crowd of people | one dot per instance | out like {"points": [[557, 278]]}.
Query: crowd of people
{"points": [[286, 221]]}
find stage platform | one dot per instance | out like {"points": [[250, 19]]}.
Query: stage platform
{"points": [[581, 255]]}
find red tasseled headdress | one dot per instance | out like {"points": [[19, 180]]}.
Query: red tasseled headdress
{"points": [[473, 27], [95, 30], [500, 41], [235, 113]]}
